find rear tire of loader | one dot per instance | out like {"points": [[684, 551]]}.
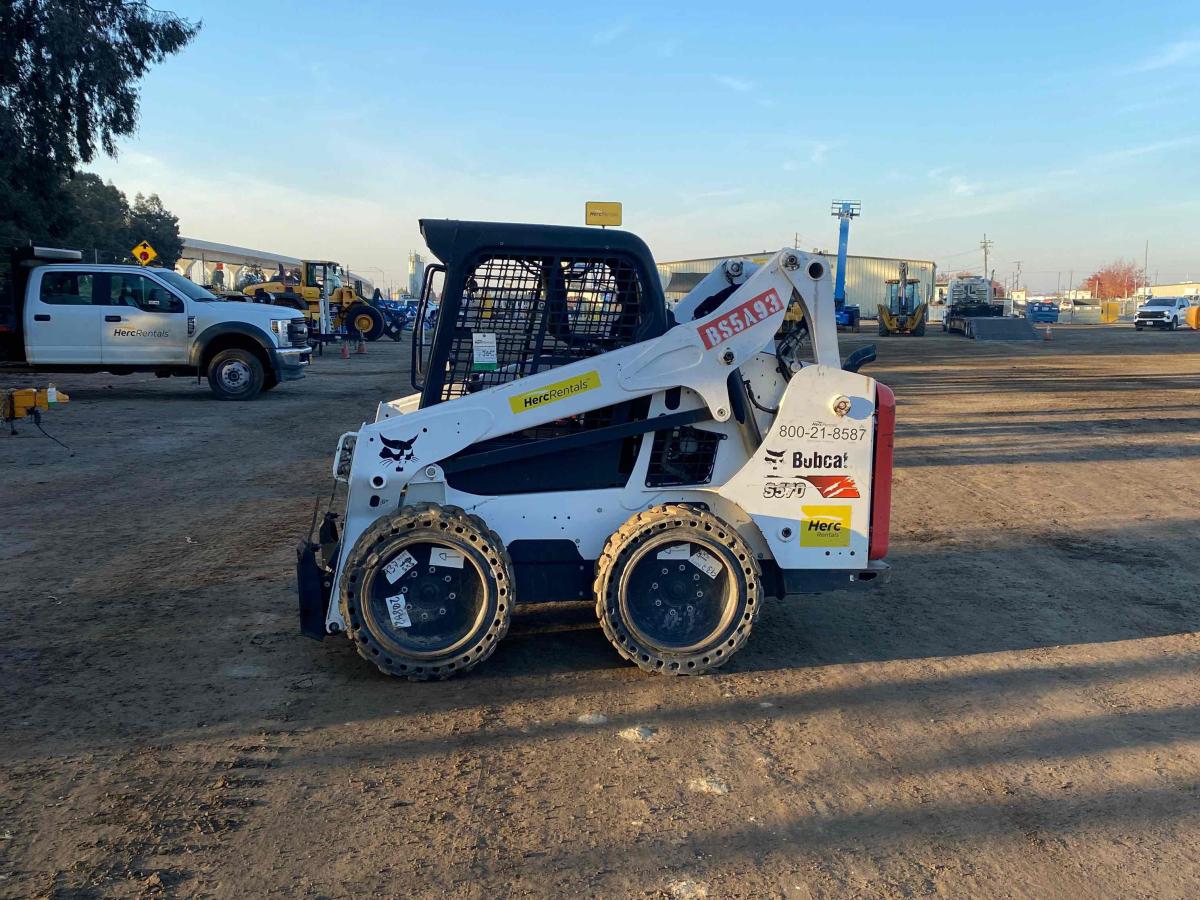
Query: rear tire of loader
{"points": [[671, 614], [456, 610]]}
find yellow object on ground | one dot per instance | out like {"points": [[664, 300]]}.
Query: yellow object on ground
{"points": [[1193, 317], [20, 402]]}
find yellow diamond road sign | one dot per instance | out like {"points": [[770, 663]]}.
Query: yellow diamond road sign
{"points": [[144, 253], [603, 213]]}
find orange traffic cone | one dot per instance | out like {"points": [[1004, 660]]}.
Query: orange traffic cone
{"points": [[361, 349], [345, 349]]}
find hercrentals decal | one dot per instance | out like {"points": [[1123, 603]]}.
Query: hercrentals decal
{"points": [[552, 393], [138, 332], [740, 318]]}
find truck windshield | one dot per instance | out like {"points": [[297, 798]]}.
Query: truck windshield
{"points": [[1161, 301], [185, 286]]}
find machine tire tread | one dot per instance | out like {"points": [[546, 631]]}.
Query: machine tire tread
{"points": [[625, 539], [465, 659]]}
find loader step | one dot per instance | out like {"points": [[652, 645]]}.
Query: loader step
{"points": [[985, 328]]}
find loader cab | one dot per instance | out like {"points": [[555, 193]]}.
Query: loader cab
{"points": [[542, 296], [902, 304], [510, 301], [322, 278]]}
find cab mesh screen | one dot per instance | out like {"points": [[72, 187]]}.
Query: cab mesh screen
{"points": [[541, 312]]}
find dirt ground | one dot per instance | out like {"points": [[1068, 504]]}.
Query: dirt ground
{"points": [[1013, 715]]}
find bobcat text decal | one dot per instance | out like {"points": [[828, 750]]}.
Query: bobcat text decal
{"points": [[740, 318]]}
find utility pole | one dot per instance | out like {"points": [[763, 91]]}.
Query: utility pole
{"points": [[986, 245], [1146, 268]]}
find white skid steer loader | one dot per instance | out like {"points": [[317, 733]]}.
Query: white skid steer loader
{"points": [[573, 439]]}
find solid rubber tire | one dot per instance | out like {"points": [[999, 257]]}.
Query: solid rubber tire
{"points": [[424, 522], [696, 526]]}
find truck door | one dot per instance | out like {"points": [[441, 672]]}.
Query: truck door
{"points": [[144, 323], [62, 318]]}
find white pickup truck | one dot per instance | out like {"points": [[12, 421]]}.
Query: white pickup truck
{"points": [[1162, 312], [63, 315]]}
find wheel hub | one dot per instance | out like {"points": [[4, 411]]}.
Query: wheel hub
{"points": [[435, 601], [234, 375], [680, 598]]}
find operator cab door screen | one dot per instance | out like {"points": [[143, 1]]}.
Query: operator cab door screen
{"points": [[143, 322], [64, 319]]}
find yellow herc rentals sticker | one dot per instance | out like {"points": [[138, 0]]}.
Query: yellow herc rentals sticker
{"points": [[825, 526], [552, 393]]}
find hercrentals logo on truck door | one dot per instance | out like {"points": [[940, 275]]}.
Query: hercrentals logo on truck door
{"points": [[552, 393], [740, 318]]}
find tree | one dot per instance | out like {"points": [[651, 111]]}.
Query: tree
{"points": [[1115, 281], [149, 221], [69, 77], [106, 227]]}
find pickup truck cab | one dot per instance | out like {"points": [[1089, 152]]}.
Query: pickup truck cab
{"points": [[64, 315], [1162, 312]]}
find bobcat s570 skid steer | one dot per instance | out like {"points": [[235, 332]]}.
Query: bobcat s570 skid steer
{"points": [[572, 438]]}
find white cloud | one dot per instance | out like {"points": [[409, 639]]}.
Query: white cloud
{"points": [[610, 34], [1177, 53], [741, 85]]}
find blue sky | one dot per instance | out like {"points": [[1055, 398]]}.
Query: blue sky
{"points": [[1068, 132]]}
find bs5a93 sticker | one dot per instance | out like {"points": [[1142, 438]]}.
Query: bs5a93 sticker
{"points": [[741, 317]]}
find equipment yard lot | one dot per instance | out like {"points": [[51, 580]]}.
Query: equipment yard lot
{"points": [[1014, 714]]}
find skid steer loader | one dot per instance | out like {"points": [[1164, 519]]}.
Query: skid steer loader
{"points": [[572, 439]]}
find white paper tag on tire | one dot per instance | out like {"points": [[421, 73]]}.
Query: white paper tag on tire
{"points": [[678, 551], [398, 611], [398, 566], [706, 563], [444, 556]]}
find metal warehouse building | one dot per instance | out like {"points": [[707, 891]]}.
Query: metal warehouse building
{"points": [[865, 276]]}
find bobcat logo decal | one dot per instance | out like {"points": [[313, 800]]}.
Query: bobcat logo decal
{"points": [[397, 451]]}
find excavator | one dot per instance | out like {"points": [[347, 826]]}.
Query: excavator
{"points": [[904, 313]]}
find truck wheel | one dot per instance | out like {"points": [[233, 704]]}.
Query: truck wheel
{"points": [[677, 590], [236, 375], [365, 322], [427, 593], [270, 381], [1174, 324]]}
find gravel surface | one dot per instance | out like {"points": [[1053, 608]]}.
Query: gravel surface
{"points": [[1013, 715]]}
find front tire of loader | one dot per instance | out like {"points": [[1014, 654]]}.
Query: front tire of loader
{"points": [[677, 590], [365, 322], [919, 331], [427, 593]]}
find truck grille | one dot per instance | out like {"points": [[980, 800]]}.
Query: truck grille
{"points": [[298, 332]]}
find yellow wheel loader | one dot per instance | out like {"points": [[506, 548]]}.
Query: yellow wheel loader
{"points": [[317, 283]]}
